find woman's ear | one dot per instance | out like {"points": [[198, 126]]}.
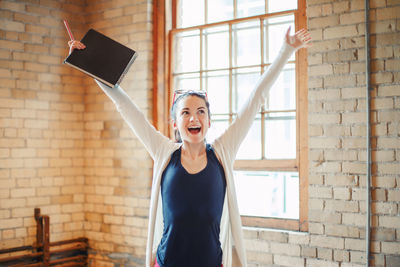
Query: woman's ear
{"points": [[173, 122]]}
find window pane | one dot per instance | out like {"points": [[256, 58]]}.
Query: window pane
{"points": [[219, 10], [280, 136], [268, 194], [243, 82], [248, 8], [246, 44], [190, 13], [187, 51], [216, 46], [274, 34], [187, 82], [250, 147], [218, 126], [216, 83], [282, 95], [276, 6]]}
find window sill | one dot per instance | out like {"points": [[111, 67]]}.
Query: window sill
{"points": [[274, 223], [276, 235]]}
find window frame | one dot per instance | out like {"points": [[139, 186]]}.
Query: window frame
{"points": [[164, 23]]}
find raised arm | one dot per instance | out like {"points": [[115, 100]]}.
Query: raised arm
{"points": [[147, 134], [152, 139], [236, 132]]}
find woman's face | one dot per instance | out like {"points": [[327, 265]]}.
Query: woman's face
{"points": [[192, 119]]}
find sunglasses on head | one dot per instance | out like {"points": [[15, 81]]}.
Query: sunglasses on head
{"points": [[180, 92]]}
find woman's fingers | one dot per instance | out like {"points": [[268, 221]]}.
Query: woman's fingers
{"points": [[75, 44], [288, 32], [80, 45], [302, 33], [300, 39]]}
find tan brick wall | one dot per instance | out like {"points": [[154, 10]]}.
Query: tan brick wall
{"points": [[41, 122], [337, 144], [118, 169], [63, 146]]}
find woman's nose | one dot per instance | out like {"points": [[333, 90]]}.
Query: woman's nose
{"points": [[193, 118]]}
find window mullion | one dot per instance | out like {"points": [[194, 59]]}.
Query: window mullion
{"points": [[206, 11], [262, 107], [230, 75], [234, 9], [201, 59]]}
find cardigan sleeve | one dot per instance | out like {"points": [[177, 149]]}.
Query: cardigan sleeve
{"points": [[147, 134], [236, 132]]}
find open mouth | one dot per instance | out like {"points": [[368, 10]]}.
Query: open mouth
{"points": [[194, 130]]}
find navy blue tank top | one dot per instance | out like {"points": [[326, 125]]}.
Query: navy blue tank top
{"points": [[192, 209]]}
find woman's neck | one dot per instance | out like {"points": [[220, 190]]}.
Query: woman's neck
{"points": [[194, 151]]}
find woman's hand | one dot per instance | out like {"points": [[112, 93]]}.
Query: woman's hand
{"points": [[300, 39], [75, 45]]}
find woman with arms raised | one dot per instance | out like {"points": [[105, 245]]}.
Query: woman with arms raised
{"points": [[194, 218]]}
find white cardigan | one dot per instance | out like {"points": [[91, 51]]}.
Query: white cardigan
{"points": [[226, 147]]}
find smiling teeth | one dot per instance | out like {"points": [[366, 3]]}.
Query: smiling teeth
{"points": [[194, 130]]}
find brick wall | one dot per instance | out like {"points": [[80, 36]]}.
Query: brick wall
{"points": [[337, 144], [118, 169], [41, 122], [64, 148]]}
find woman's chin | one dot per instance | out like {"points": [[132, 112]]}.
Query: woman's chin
{"points": [[194, 138]]}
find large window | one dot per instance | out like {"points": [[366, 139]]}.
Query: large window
{"points": [[222, 47]]}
